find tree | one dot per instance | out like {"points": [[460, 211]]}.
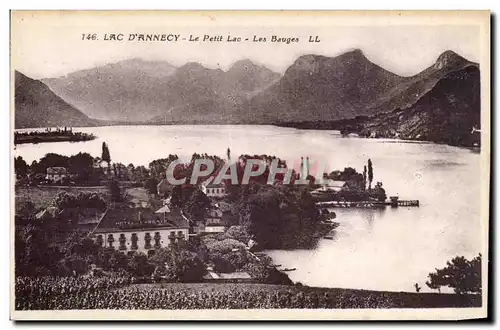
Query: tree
{"points": [[185, 266], [158, 167], [370, 174], [84, 200], [196, 205], [238, 233], [181, 264], [20, 167], [139, 265], [31, 253], [49, 160], [118, 260], [151, 185], [24, 210], [115, 191], [72, 265], [82, 165], [378, 192], [462, 275], [105, 153], [280, 217], [228, 255], [364, 178], [436, 280]]}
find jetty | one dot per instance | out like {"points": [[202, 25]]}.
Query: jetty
{"points": [[393, 202]]}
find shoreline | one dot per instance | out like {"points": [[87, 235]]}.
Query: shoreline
{"points": [[49, 136], [299, 126]]}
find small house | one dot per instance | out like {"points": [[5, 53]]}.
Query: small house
{"points": [[56, 174], [236, 277], [335, 185], [212, 189]]}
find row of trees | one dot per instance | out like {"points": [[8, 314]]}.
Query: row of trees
{"points": [[80, 168], [83, 200], [356, 184], [283, 216]]}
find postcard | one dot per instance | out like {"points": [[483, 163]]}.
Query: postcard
{"points": [[250, 165]]}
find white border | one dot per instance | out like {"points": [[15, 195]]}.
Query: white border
{"points": [[146, 4]]}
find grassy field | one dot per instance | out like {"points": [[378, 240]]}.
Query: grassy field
{"points": [[42, 196], [138, 195], [72, 293], [312, 297]]}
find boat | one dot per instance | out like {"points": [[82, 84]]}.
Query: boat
{"points": [[289, 269]]}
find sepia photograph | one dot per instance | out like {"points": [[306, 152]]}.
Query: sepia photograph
{"points": [[260, 165]]}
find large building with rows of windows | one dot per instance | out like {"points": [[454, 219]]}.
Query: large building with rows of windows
{"points": [[141, 229]]}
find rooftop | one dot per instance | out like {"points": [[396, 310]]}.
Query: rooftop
{"points": [[122, 218], [56, 170], [209, 183], [235, 275]]}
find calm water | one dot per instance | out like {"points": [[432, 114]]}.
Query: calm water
{"points": [[387, 249]]}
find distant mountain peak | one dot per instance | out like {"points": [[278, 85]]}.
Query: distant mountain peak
{"points": [[245, 61], [318, 63], [355, 52], [132, 60], [243, 64], [192, 66], [37, 106], [448, 57], [139, 60]]}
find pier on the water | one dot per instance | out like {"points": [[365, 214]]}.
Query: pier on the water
{"points": [[393, 202]]}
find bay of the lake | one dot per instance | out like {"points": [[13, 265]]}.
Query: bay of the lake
{"points": [[382, 249]]}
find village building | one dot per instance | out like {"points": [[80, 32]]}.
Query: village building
{"points": [[213, 189], [217, 220], [330, 186], [56, 174], [141, 229], [235, 277], [214, 222]]}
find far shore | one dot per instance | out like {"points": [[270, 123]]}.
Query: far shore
{"points": [[320, 126]]}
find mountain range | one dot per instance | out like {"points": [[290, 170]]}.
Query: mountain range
{"points": [[37, 106], [313, 91], [448, 113], [146, 91], [440, 104]]}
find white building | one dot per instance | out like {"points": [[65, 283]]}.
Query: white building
{"points": [[213, 221], [213, 190], [214, 228], [330, 186], [56, 174], [141, 230]]}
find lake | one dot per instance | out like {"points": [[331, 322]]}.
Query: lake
{"points": [[389, 249]]}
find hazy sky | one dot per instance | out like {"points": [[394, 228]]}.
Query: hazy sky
{"points": [[52, 46]]}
